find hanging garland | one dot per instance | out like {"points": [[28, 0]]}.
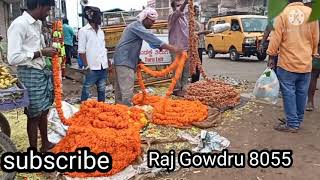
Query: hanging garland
{"points": [[101, 127], [56, 68], [194, 43], [166, 111]]}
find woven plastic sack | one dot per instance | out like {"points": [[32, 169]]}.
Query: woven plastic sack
{"points": [[267, 87], [57, 130]]}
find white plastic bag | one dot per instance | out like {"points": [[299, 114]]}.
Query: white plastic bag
{"points": [[57, 130], [267, 87]]}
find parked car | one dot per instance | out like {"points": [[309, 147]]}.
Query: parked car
{"points": [[242, 39]]}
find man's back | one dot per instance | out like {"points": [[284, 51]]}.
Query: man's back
{"points": [[68, 35], [296, 38]]}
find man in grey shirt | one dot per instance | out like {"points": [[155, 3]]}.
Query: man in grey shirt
{"points": [[178, 26], [127, 53]]}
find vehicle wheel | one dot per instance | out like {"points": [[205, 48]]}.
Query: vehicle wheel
{"points": [[261, 57], [4, 125], [6, 145], [234, 55], [211, 52]]}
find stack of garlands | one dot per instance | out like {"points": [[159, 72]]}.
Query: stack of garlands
{"points": [[104, 128], [101, 127], [194, 43], [167, 111]]}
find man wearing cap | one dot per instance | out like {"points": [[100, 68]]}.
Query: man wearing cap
{"points": [[92, 51], [127, 53]]}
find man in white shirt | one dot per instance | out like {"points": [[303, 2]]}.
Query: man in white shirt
{"points": [[92, 51], [25, 50]]}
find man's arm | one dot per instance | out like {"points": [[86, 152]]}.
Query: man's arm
{"points": [[315, 38], [276, 37], [82, 47], [178, 13], [151, 39], [183, 6]]}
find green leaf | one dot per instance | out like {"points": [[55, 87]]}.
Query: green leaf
{"points": [[268, 73], [275, 7], [315, 15]]}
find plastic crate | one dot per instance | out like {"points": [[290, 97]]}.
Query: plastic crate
{"points": [[10, 104]]}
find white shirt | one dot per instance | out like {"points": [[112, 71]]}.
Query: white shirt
{"points": [[92, 43], [24, 38]]}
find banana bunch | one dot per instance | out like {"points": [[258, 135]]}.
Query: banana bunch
{"points": [[6, 80]]}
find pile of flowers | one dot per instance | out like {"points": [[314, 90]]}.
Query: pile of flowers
{"points": [[167, 111], [114, 129], [105, 128]]}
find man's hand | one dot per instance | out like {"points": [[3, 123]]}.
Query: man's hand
{"points": [[177, 50], [49, 52], [316, 56], [86, 70], [271, 63]]}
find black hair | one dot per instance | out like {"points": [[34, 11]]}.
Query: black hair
{"points": [[292, 1], [33, 4], [65, 21], [173, 4]]}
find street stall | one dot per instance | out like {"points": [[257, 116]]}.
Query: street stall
{"points": [[118, 129], [114, 23], [13, 95]]}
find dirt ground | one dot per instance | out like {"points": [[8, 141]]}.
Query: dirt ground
{"points": [[247, 128], [254, 130]]}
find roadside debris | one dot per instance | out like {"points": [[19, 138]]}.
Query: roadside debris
{"points": [[207, 141]]}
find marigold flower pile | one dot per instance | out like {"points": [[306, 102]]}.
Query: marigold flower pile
{"points": [[104, 128], [101, 127], [167, 111]]}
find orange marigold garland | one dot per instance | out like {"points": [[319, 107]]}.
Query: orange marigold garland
{"points": [[56, 68], [167, 111], [105, 128], [179, 112], [193, 44], [101, 127]]}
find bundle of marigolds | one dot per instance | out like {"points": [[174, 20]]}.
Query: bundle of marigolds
{"points": [[167, 111], [174, 112], [105, 128], [213, 93]]}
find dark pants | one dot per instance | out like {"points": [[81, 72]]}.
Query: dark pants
{"points": [[294, 88], [68, 54], [97, 78], [196, 77]]}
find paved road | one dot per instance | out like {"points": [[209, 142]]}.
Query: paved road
{"points": [[244, 69]]}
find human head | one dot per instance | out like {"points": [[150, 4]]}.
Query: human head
{"points": [[196, 10], [307, 3], [93, 15], [40, 8], [148, 17], [65, 21], [175, 4], [1, 37], [292, 1]]}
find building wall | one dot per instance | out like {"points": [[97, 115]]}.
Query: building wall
{"points": [[211, 7], [4, 18]]}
